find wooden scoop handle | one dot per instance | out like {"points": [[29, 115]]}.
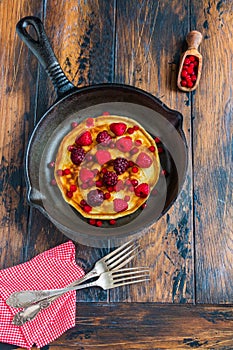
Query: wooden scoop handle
{"points": [[193, 39]]}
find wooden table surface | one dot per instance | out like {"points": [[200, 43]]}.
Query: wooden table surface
{"points": [[188, 302]]}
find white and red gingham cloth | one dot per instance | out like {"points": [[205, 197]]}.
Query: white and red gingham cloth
{"points": [[54, 268]]}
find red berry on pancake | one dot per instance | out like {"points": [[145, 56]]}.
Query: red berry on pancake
{"points": [[142, 190], [143, 160], [102, 156], [124, 144], [120, 205], [85, 139], [118, 128]]}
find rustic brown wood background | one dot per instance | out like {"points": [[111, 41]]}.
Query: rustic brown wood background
{"points": [[190, 249]]}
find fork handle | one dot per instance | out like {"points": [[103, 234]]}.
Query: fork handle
{"points": [[26, 298], [32, 310]]}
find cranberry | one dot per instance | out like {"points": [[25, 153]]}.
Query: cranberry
{"points": [[152, 148], [134, 169], [189, 71], [66, 171], [112, 222], [92, 222], [183, 83], [130, 130]]}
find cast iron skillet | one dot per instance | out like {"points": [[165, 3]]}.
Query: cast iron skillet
{"points": [[77, 104]]}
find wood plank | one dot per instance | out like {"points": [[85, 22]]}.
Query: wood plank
{"points": [[212, 113], [127, 326], [18, 86], [147, 56], [82, 39], [148, 326]]}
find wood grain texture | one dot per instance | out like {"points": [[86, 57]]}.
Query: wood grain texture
{"points": [[147, 56], [83, 44], [212, 139], [18, 86], [148, 326]]}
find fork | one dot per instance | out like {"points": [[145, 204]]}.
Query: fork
{"points": [[115, 260], [107, 280]]}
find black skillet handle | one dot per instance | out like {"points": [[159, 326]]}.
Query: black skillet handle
{"points": [[43, 51]]}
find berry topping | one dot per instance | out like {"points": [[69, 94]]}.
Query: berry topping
{"points": [[134, 182], [120, 205], [92, 222], [73, 188], [120, 165], [143, 160], [95, 198], [110, 178], [118, 128], [142, 190], [87, 208], [135, 169], [89, 122], [124, 144], [77, 155], [130, 130], [157, 140], [134, 150], [52, 164], [66, 171], [69, 194], [112, 222], [107, 195], [119, 186], [85, 139], [152, 148], [53, 182], [86, 175], [104, 138], [74, 124], [102, 156]]}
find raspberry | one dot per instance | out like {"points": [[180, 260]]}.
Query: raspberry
{"points": [[143, 160], [95, 198], [86, 175], [120, 165], [110, 178], [118, 128], [142, 190], [120, 205], [77, 155], [124, 144], [102, 156], [104, 138], [112, 222], [85, 139]]}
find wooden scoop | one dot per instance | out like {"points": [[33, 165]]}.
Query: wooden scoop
{"points": [[189, 81]]}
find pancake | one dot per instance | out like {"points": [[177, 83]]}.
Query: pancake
{"points": [[107, 166]]}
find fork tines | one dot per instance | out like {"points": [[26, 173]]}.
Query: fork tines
{"points": [[130, 275], [122, 255]]}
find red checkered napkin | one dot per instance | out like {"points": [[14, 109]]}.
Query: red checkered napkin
{"points": [[54, 268]]}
